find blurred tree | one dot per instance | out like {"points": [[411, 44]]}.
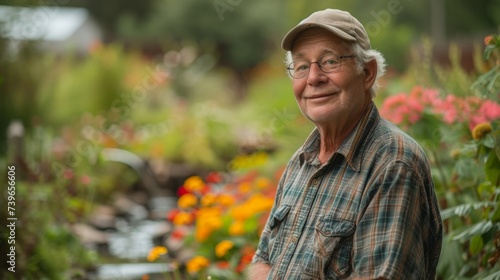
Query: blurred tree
{"points": [[108, 13], [240, 33]]}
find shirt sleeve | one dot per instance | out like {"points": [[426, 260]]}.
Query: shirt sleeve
{"points": [[391, 232], [261, 254]]}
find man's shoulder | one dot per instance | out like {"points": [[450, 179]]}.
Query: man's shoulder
{"points": [[388, 138]]}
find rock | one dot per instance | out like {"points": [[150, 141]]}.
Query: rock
{"points": [[133, 210], [89, 235], [103, 217], [161, 205]]}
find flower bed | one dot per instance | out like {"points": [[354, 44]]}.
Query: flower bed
{"points": [[218, 223]]}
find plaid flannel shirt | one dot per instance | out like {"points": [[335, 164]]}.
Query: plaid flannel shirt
{"points": [[369, 212]]}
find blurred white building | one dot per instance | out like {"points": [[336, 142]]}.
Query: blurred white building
{"points": [[56, 29]]}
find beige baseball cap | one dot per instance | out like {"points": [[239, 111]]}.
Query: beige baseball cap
{"points": [[341, 23]]}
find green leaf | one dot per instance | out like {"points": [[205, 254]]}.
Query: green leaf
{"points": [[464, 209], [451, 260], [494, 276], [492, 168], [476, 244], [476, 229], [496, 215], [489, 141], [485, 187]]}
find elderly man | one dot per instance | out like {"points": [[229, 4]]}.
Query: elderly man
{"points": [[357, 200]]}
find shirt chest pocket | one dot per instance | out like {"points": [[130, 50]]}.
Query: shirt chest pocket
{"points": [[278, 227], [329, 255]]}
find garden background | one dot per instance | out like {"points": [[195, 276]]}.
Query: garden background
{"points": [[144, 139]]}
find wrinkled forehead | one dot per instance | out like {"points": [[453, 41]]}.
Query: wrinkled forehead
{"points": [[319, 38]]}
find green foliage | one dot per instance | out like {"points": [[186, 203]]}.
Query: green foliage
{"points": [[45, 247], [92, 85], [487, 85]]}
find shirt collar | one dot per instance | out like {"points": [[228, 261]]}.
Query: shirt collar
{"points": [[351, 147]]}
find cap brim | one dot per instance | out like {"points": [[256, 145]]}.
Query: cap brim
{"points": [[289, 39]]}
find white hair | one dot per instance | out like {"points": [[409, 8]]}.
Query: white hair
{"points": [[362, 57]]}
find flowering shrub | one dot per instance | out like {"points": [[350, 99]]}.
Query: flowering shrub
{"points": [[220, 218], [461, 136], [407, 109]]}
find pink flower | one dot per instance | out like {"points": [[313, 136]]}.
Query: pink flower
{"points": [[488, 111], [85, 179], [402, 109]]}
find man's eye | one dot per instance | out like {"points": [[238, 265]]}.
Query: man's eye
{"points": [[301, 67], [330, 61]]}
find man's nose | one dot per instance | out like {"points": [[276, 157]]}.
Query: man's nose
{"points": [[315, 73]]}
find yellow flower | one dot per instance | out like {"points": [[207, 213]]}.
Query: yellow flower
{"points": [[225, 199], [187, 200], [208, 200], [241, 212], [480, 130], [259, 203], [183, 218], [237, 228], [223, 247], [202, 234], [256, 204], [194, 184], [207, 223], [196, 264], [156, 252]]}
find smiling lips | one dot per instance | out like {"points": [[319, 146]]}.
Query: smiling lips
{"points": [[320, 96]]}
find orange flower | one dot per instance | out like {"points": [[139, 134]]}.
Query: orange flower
{"points": [[237, 228], [225, 199], [206, 224], [262, 183], [187, 201], [183, 218], [223, 247], [244, 187], [194, 184], [241, 212], [208, 200], [156, 252], [196, 264]]}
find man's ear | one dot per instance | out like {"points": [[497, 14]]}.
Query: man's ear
{"points": [[370, 71]]}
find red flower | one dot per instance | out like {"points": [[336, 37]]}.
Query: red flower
{"points": [[172, 213], [222, 264], [214, 177], [177, 234], [182, 191], [246, 259], [489, 40]]}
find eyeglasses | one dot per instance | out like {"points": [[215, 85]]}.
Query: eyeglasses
{"points": [[328, 63]]}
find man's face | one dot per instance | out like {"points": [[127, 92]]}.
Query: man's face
{"points": [[336, 98]]}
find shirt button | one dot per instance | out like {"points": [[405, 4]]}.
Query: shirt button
{"points": [[294, 239], [315, 181]]}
